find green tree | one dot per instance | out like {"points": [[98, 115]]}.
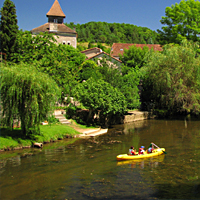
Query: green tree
{"points": [[89, 69], [42, 47], [28, 95], [182, 21], [33, 48], [61, 62], [98, 95], [128, 85], [103, 32], [63, 65], [172, 80], [111, 73], [125, 79], [8, 29], [134, 56]]}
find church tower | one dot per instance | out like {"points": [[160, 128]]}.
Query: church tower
{"points": [[55, 14], [56, 25]]}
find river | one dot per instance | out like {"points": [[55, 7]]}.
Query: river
{"points": [[87, 168]]}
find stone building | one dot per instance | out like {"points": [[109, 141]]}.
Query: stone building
{"points": [[97, 53], [55, 25]]}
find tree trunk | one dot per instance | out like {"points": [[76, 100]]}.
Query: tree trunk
{"points": [[90, 115]]}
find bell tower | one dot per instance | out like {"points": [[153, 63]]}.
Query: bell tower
{"points": [[55, 25], [55, 14]]}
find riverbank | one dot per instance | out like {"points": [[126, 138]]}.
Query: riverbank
{"points": [[14, 140]]}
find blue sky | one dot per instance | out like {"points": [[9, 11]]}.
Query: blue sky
{"points": [[145, 13]]}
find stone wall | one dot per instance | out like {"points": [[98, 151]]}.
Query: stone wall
{"points": [[136, 116], [132, 116]]}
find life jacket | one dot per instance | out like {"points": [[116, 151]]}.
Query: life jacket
{"points": [[133, 152], [141, 150]]}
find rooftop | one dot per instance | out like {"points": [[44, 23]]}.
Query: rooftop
{"points": [[61, 28], [98, 52], [118, 48], [56, 10]]}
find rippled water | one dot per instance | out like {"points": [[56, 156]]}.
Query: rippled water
{"points": [[87, 169]]}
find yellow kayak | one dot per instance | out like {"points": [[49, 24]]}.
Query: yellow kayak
{"points": [[156, 152], [155, 159]]}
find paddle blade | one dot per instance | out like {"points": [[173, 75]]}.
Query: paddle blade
{"points": [[164, 152]]}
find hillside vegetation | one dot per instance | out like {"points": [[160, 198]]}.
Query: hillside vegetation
{"points": [[109, 33]]}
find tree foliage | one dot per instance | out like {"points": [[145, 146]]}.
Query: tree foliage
{"points": [[129, 88], [63, 65], [8, 29], [26, 94], [172, 81], [124, 78], [42, 47], [32, 48], [109, 33], [182, 21], [89, 69], [98, 95], [61, 62], [134, 56]]}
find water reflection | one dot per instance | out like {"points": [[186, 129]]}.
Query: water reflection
{"points": [[16, 161]]}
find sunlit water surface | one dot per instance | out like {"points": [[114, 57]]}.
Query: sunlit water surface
{"points": [[88, 169]]}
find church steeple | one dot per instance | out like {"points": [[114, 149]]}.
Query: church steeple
{"points": [[55, 13]]}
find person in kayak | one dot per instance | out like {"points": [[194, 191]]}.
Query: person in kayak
{"points": [[141, 150], [132, 151], [151, 148]]}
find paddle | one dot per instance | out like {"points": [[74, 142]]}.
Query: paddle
{"points": [[159, 148]]}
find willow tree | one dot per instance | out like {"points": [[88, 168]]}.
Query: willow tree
{"points": [[26, 94], [172, 79]]}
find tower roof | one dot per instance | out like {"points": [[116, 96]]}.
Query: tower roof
{"points": [[56, 10]]}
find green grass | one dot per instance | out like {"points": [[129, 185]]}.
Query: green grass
{"points": [[8, 142], [14, 138], [53, 132]]}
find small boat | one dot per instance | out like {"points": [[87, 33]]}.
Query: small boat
{"points": [[153, 161], [155, 152]]}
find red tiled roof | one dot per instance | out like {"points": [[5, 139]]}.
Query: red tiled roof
{"points": [[56, 10], [62, 28], [118, 48]]}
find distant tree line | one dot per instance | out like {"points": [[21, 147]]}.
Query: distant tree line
{"points": [[103, 32]]}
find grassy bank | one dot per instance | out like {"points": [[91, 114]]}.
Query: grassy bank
{"points": [[12, 139]]}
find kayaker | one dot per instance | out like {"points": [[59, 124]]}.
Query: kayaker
{"points": [[141, 150], [132, 151], [151, 148]]}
